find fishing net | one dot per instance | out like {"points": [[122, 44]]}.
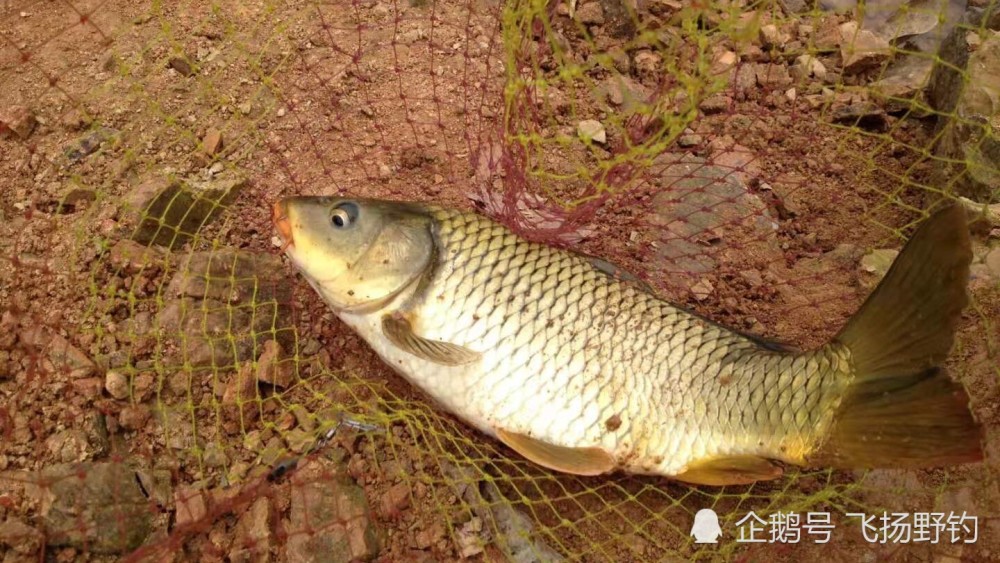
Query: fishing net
{"points": [[172, 390]]}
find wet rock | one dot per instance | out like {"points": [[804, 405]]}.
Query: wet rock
{"points": [[861, 50], [170, 212], [252, 542], [971, 130], [60, 354], [329, 519], [94, 506], [592, 130], [20, 537], [17, 121]]}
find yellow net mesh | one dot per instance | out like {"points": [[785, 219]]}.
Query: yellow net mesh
{"points": [[162, 368]]}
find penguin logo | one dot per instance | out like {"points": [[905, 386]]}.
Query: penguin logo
{"points": [[706, 526]]}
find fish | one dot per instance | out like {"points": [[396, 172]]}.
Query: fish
{"points": [[576, 365]]}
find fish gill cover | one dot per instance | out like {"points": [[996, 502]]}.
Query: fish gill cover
{"points": [[171, 390]]}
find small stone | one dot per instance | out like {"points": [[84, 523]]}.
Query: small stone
{"points": [[329, 517], [992, 262], [17, 120], [20, 537], [860, 49], [771, 37], [647, 64], [181, 65], [134, 417], [116, 384], [690, 140], [245, 108], [725, 60], [716, 103], [281, 112], [212, 142], [76, 199], [190, 505], [89, 387], [592, 130], [215, 455], [807, 66], [395, 500], [75, 120], [702, 289], [791, 94], [133, 257], [878, 261], [252, 538], [62, 354], [272, 367], [591, 13]]}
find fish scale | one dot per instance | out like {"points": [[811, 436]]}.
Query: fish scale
{"points": [[585, 371], [587, 313]]}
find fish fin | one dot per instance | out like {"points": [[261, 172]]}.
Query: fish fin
{"points": [[398, 330], [578, 461], [615, 272], [901, 409], [730, 470]]}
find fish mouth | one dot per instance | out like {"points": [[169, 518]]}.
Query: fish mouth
{"points": [[279, 216]]}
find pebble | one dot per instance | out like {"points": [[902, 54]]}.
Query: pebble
{"points": [[395, 500], [17, 120], [590, 129], [591, 13], [273, 367], [860, 49], [212, 142], [181, 65], [134, 417], [116, 383], [191, 506]]}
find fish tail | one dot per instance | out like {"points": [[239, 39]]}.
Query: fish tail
{"points": [[901, 409]]}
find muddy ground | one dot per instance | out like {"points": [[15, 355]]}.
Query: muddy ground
{"points": [[178, 366]]}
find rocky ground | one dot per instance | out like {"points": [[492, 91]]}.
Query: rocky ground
{"points": [[158, 359]]}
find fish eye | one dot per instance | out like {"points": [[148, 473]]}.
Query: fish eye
{"points": [[344, 214]]}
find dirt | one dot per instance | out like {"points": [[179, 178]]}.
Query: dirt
{"points": [[406, 101]]}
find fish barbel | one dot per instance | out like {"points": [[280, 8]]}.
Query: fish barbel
{"points": [[577, 366]]}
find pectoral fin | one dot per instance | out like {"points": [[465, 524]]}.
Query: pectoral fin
{"points": [[398, 330], [731, 470], [578, 461]]}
